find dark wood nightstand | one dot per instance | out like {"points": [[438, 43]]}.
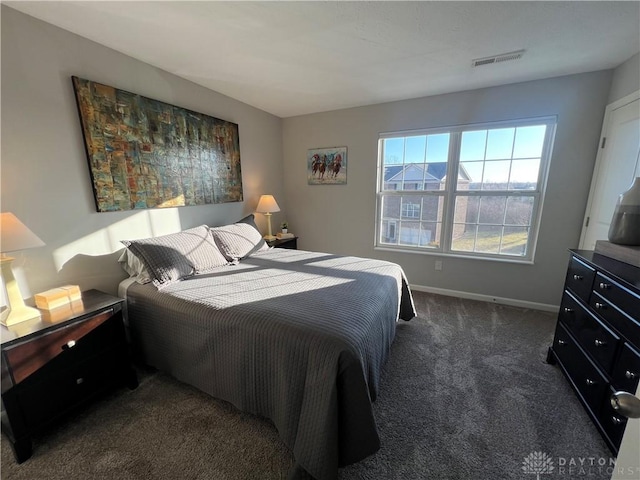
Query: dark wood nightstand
{"points": [[52, 365], [291, 243]]}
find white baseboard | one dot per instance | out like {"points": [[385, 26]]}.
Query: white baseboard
{"points": [[488, 298]]}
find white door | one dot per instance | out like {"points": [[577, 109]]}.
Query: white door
{"points": [[617, 164], [628, 461]]}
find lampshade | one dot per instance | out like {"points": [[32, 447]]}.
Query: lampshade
{"points": [[14, 235], [267, 204]]}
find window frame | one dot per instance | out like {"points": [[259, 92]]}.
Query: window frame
{"points": [[451, 192]]}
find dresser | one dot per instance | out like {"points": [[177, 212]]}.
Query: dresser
{"points": [[53, 365], [290, 243], [597, 337]]}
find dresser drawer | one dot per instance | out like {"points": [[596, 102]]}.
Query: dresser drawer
{"points": [[43, 396], [65, 344], [580, 278], [584, 375], [624, 299], [626, 371], [611, 421], [594, 337], [619, 320]]}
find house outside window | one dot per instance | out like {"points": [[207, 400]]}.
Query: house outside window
{"points": [[473, 190]]}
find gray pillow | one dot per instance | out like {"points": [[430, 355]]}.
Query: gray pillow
{"points": [[239, 240], [172, 257]]}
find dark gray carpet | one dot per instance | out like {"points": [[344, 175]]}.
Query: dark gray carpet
{"points": [[465, 395]]}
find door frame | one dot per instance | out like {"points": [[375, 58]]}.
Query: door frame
{"points": [[632, 97]]}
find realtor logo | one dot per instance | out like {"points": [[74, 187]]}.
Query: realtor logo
{"points": [[537, 463]]}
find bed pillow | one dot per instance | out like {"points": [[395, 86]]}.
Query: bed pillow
{"points": [[239, 240], [136, 269], [172, 257]]}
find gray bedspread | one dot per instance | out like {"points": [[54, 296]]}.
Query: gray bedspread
{"points": [[297, 337]]}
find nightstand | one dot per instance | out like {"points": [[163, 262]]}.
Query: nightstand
{"points": [[291, 243], [51, 366]]}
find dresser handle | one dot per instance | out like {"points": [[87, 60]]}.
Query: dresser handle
{"points": [[79, 381], [568, 310], [600, 306], [605, 286], [600, 343], [616, 420], [630, 375], [578, 277], [590, 383], [562, 343]]}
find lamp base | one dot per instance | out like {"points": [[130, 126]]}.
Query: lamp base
{"points": [[12, 316]]}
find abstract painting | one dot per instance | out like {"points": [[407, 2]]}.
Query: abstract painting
{"points": [[327, 166], [145, 153]]}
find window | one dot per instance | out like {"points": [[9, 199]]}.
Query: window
{"points": [[473, 190]]}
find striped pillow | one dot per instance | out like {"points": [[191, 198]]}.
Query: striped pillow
{"points": [[172, 257]]}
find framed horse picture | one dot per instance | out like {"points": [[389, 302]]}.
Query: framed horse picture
{"points": [[327, 166]]}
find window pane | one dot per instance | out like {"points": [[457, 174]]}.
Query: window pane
{"points": [[464, 238], [519, 211], [391, 207], [488, 239], [492, 210], [524, 174], [388, 232], [432, 208], [467, 209], [514, 241], [430, 234], [438, 148], [409, 234], [473, 145], [414, 149], [410, 208], [529, 141], [470, 175], [393, 150], [500, 143], [496, 175]]}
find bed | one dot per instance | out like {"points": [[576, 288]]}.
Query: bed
{"points": [[297, 337]]}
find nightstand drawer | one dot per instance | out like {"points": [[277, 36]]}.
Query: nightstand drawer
{"points": [[626, 371], [594, 337], [25, 358], [51, 392], [580, 278], [591, 384]]}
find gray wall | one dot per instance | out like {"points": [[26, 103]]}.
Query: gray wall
{"points": [[341, 218], [45, 177], [626, 79]]}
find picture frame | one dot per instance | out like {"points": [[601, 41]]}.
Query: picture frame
{"points": [[144, 153], [327, 166]]}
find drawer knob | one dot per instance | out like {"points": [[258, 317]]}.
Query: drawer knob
{"points": [[568, 310], [562, 343], [600, 343], [79, 381], [590, 382], [578, 277], [605, 286], [69, 344], [616, 420], [600, 306], [630, 375]]}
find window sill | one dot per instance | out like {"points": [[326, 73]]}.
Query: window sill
{"points": [[520, 261]]}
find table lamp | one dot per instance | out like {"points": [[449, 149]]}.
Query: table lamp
{"points": [[14, 235], [267, 204]]}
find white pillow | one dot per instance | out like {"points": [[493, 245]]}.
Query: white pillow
{"points": [[131, 264]]}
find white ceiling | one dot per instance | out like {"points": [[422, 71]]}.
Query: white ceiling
{"points": [[293, 58]]}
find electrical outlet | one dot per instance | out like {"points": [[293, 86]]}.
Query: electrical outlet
{"points": [[438, 264]]}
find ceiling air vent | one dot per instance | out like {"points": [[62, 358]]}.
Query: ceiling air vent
{"points": [[503, 57]]}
